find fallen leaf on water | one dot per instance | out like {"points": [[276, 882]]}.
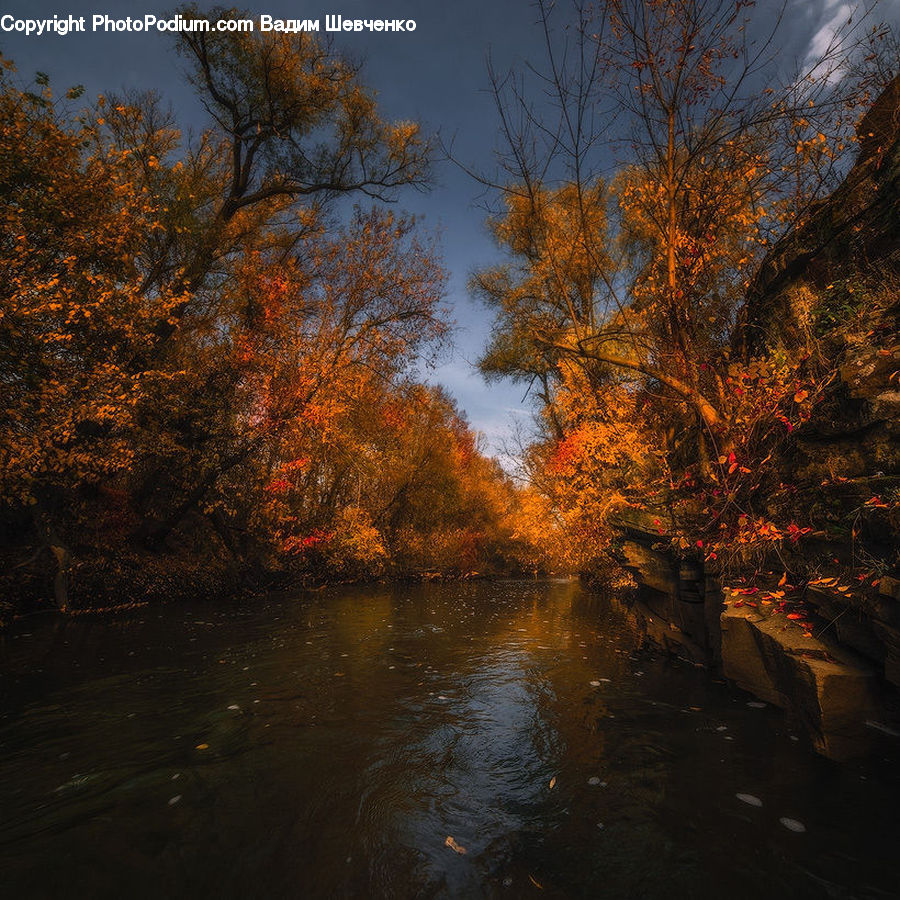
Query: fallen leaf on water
{"points": [[783, 580], [749, 799], [174, 800], [202, 747], [792, 825], [537, 884], [454, 846], [552, 782]]}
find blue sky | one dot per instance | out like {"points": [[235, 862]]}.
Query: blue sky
{"points": [[435, 75]]}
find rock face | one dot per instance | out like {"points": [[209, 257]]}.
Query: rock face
{"points": [[853, 232], [829, 683], [830, 691], [830, 289], [675, 588], [838, 279]]}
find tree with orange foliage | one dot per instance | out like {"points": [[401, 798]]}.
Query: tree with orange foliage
{"points": [[627, 289], [644, 277], [176, 314], [73, 312]]}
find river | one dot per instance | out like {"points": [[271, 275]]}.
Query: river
{"points": [[328, 745]]}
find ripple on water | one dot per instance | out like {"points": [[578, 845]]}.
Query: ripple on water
{"points": [[457, 707]]}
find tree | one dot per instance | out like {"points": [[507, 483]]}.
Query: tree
{"points": [[637, 197], [177, 312], [293, 130], [72, 311], [292, 123], [644, 278]]}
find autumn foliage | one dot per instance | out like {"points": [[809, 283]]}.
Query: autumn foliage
{"points": [[636, 211], [206, 356]]}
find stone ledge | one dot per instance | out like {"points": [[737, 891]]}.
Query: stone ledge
{"points": [[830, 691]]}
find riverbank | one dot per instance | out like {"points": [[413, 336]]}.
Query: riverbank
{"points": [[824, 651], [134, 578]]}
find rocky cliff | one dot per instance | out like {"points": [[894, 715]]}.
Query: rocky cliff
{"points": [[829, 289]]}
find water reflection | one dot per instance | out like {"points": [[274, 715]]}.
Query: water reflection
{"points": [[328, 745]]}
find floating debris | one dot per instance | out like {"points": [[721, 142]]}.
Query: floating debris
{"points": [[77, 781], [174, 800], [552, 782], [884, 729], [792, 825], [749, 799], [202, 747], [593, 781], [756, 704], [454, 846]]}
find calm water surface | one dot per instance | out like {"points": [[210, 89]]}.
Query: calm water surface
{"points": [[328, 745]]}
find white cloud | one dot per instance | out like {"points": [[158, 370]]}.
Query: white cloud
{"points": [[834, 16]]}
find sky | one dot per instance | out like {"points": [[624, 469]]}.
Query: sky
{"points": [[436, 75]]}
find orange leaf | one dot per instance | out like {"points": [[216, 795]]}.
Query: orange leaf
{"points": [[454, 846]]}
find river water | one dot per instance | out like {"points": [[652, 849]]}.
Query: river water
{"points": [[328, 746]]}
